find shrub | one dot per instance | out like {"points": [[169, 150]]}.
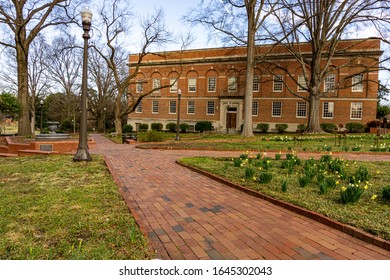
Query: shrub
{"points": [[262, 127], [128, 128], [351, 194], [301, 127], [184, 127], [281, 127], [386, 193], [249, 172], [203, 126], [354, 127], [265, 177], [156, 126], [143, 127], [151, 136], [171, 127], [66, 126], [328, 127], [303, 181]]}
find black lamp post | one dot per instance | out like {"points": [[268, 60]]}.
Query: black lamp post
{"points": [[178, 115], [82, 151], [41, 103]]}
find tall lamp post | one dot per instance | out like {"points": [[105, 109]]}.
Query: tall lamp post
{"points": [[178, 115], [41, 103], [82, 151]]}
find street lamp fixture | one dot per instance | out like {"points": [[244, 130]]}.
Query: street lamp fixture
{"points": [[82, 151], [178, 115], [41, 103]]}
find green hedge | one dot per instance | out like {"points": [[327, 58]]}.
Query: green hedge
{"points": [[203, 126], [262, 127], [355, 127]]}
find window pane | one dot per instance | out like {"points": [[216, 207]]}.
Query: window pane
{"points": [[301, 83], [256, 83], [139, 86], [191, 84], [155, 107], [328, 109], [356, 110], [330, 82], [138, 109], [232, 84], [173, 82], [277, 109], [191, 107], [156, 84], [278, 83], [255, 108], [301, 109], [357, 83], [210, 108], [211, 84], [172, 107]]}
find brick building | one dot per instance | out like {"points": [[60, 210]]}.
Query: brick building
{"points": [[212, 85]]}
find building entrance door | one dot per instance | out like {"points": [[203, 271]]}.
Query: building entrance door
{"points": [[231, 118]]}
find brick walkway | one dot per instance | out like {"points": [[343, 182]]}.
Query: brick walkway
{"points": [[188, 216]]}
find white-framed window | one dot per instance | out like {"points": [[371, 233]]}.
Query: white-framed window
{"points": [[138, 109], [232, 84], [330, 82], [301, 109], [156, 84], [172, 107], [357, 83], [139, 86], [328, 110], [277, 109], [256, 83], [211, 84], [173, 82], [191, 84], [191, 107], [210, 110], [278, 83], [301, 83], [155, 107], [356, 110], [255, 108]]}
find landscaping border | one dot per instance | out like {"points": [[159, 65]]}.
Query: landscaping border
{"points": [[350, 230]]}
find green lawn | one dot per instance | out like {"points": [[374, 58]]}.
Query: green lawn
{"points": [[54, 208], [370, 213]]}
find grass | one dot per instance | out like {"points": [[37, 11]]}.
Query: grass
{"points": [[280, 142], [322, 194], [54, 208]]}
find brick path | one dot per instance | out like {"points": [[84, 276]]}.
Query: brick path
{"points": [[188, 216]]}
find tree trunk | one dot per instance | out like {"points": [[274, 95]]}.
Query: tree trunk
{"points": [[313, 125], [24, 127], [247, 130]]}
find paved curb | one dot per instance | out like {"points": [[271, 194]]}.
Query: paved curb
{"points": [[350, 230]]}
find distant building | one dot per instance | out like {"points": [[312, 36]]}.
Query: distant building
{"points": [[212, 82]]}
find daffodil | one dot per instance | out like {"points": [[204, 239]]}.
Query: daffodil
{"points": [[343, 189], [365, 187], [373, 197], [337, 182]]}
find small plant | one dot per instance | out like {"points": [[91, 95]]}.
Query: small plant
{"points": [[262, 127], [281, 127], [156, 126], [328, 127], [151, 136], [301, 127], [362, 174], [284, 185], [323, 187], [184, 127], [351, 194], [143, 127], [127, 128], [203, 126], [355, 127], [237, 162], [345, 149], [249, 172], [326, 158], [386, 193], [303, 181], [278, 156], [265, 177], [171, 127]]}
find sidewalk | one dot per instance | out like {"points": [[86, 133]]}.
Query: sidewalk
{"points": [[189, 216]]}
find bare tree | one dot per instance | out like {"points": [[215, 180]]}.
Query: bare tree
{"points": [[240, 21], [21, 22], [312, 32], [114, 26], [64, 61]]}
